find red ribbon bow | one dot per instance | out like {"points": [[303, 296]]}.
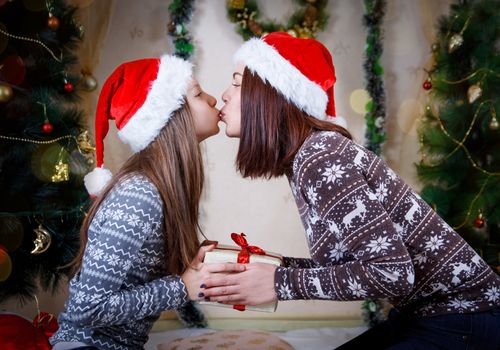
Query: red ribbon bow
{"points": [[244, 255], [246, 249]]}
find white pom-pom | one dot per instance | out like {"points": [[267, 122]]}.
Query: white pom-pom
{"points": [[96, 180], [339, 121]]}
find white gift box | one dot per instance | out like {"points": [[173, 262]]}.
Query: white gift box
{"points": [[225, 254]]}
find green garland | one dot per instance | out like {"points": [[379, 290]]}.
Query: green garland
{"points": [[375, 109], [180, 15], [375, 112], [309, 19]]}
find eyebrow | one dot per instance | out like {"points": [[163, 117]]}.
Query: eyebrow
{"points": [[236, 73]]}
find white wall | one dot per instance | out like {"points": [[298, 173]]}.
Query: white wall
{"points": [[265, 210]]}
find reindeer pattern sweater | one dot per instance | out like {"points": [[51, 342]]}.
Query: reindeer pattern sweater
{"points": [[371, 236]]}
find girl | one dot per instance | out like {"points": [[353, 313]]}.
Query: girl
{"points": [[369, 234], [140, 253]]}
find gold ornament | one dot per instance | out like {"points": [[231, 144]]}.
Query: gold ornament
{"points": [[5, 93], [61, 172], [89, 83], [493, 125], [456, 41], [474, 92], [42, 240], [237, 4], [84, 142], [85, 147]]}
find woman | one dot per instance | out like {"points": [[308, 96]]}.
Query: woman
{"points": [[369, 234], [140, 252]]}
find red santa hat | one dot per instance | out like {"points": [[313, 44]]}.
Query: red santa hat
{"points": [[140, 96], [301, 70]]}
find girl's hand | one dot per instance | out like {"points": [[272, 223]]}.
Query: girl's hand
{"points": [[254, 286], [198, 272]]}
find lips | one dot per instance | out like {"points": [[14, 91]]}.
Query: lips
{"points": [[221, 115]]}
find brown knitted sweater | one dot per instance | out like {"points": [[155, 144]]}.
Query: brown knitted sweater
{"points": [[371, 236]]}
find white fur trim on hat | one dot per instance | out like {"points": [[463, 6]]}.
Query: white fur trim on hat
{"points": [[263, 59], [96, 180], [167, 94]]}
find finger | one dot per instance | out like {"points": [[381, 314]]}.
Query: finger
{"points": [[225, 267], [232, 299], [222, 291], [201, 252], [208, 242]]}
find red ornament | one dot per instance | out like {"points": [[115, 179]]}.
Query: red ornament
{"points": [[479, 221], [47, 128], [53, 23], [68, 87], [427, 85]]}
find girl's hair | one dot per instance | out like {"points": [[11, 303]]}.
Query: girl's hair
{"points": [[272, 129], [173, 163]]}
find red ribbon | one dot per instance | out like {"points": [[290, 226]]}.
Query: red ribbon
{"points": [[244, 255]]}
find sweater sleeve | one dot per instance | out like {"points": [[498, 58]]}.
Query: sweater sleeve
{"points": [[367, 258], [289, 261], [102, 294]]}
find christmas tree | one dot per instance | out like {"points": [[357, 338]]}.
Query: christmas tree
{"points": [[460, 138], [44, 147]]}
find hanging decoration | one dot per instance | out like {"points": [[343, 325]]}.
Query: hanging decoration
{"points": [[375, 109], [42, 240], [180, 15], [309, 19]]}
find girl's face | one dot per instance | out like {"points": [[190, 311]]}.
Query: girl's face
{"points": [[202, 106], [231, 112]]}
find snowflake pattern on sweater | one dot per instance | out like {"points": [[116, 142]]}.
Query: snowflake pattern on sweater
{"points": [[122, 286], [371, 236]]}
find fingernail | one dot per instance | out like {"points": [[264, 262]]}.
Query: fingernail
{"points": [[201, 295], [203, 285]]}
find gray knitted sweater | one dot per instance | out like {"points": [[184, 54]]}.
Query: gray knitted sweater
{"points": [[122, 286], [371, 236]]}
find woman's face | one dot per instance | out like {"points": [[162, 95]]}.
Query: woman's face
{"points": [[230, 114], [202, 106]]}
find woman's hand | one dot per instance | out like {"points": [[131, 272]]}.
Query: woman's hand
{"points": [[254, 286], [198, 272]]}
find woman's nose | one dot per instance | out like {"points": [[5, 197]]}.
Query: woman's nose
{"points": [[212, 101], [224, 97]]}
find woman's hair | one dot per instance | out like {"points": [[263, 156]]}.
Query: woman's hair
{"points": [[272, 129], [173, 163]]}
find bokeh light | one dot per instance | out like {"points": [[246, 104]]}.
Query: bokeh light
{"points": [[358, 100], [13, 69], [5, 265], [44, 160], [11, 233], [408, 114]]}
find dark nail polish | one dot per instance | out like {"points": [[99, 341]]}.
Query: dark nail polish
{"points": [[207, 299], [203, 285], [201, 295]]}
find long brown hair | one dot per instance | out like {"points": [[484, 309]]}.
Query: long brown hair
{"points": [[272, 129], [173, 163]]}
